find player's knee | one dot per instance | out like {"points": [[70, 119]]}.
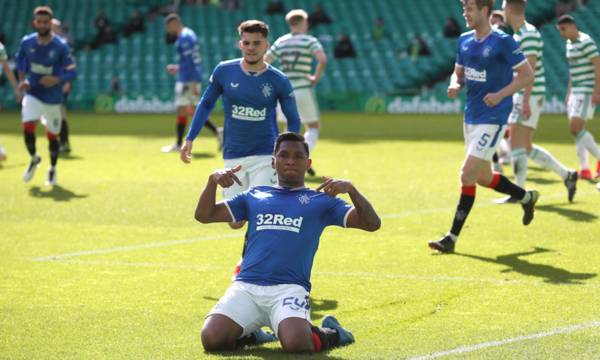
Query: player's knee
{"points": [[212, 339], [237, 225], [51, 136], [575, 126], [29, 127], [297, 344]]}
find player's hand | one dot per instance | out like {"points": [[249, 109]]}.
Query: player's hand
{"points": [[526, 110], [492, 99], [596, 99], [313, 79], [18, 97], [67, 88], [195, 89], [172, 69], [23, 86], [49, 80], [333, 187], [453, 91], [226, 177], [185, 154]]}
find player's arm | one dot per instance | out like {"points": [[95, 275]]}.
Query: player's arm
{"points": [[21, 64], [596, 93], [363, 215], [69, 72], [524, 77], [289, 107], [208, 210], [321, 63], [203, 110], [532, 60], [457, 80], [11, 77]]}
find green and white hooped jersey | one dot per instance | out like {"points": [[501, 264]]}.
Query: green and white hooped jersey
{"points": [[531, 43], [3, 55], [295, 53], [581, 70]]}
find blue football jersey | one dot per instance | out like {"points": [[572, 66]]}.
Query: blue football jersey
{"points": [[488, 64], [38, 60], [249, 104], [188, 56], [284, 228]]}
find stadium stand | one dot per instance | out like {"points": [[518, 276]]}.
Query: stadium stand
{"points": [[139, 60]]}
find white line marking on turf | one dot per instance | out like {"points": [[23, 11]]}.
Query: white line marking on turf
{"points": [[448, 279], [134, 247], [197, 267], [208, 238], [496, 343], [409, 213]]}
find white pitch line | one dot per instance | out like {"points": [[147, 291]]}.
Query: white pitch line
{"points": [[194, 240], [496, 343], [134, 247], [447, 279], [410, 213]]}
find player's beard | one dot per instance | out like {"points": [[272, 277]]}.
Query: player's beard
{"points": [[252, 62], [43, 33]]}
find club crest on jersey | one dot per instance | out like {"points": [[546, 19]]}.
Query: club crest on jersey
{"points": [[487, 51], [304, 199], [51, 54], [266, 89]]}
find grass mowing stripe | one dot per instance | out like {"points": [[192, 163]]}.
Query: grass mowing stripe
{"points": [[496, 343], [134, 247]]}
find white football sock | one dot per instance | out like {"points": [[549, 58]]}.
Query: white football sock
{"points": [[543, 158], [311, 136], [587, 139], [519, 160]]}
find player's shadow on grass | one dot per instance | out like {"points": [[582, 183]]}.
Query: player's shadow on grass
{"points": [[548, 273], [573, 214], [272, 353], [541, 181], [202, 155], [12, 166], [70, 157], [56, 193]]}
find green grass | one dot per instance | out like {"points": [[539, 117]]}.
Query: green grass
{"points": [[399, 299]]}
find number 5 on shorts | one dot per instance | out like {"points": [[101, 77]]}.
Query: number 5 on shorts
{"points": [[484, 140]]}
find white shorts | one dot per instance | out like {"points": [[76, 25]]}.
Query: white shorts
{"points": [[536, 103], [308, 109], [580, 106], [482, 140], [34, 109], [185, 95], [254, 306], [256, 171]]}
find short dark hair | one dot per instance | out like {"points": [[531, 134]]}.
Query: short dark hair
{"points": [[172, 17], [43, 10], [290, 136], [254, 26], [566, 19], [517, 5], [481, 4]]}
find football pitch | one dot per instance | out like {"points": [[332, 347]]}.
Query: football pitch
{"points": [[110, 264]]}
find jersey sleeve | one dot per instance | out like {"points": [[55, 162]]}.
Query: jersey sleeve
{"points": [[459, 58], [206, 104], [337, 212], [531, 44], [68, 66], [237, 207], [21, 58], [315, 46], [288, 105], [511, 52], [3, 55], [273, 51], [590, 50]]}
